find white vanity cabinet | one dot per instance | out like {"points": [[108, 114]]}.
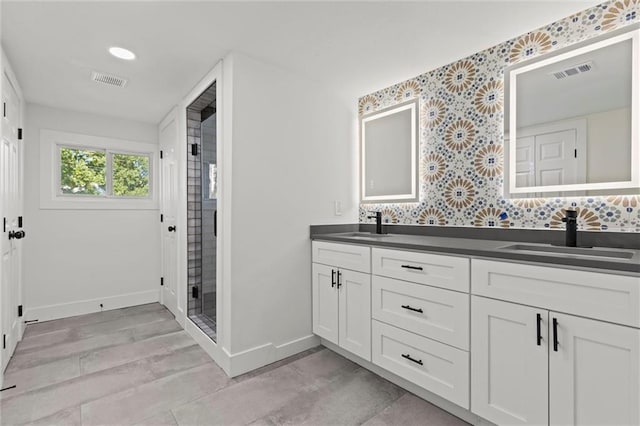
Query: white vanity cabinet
{"points": [[420, 326], [342, 296], [534, 365]]}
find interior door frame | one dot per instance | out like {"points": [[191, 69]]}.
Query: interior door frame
{"points": [[171, 116], [220, 350], [7, 71]]}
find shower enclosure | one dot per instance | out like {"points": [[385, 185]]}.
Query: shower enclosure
{"points": [[202, 211]]}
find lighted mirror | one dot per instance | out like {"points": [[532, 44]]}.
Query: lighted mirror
{"points": [[572, 120], [389, 153]]}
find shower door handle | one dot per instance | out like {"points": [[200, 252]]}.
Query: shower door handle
{"points": [[215, 223]]}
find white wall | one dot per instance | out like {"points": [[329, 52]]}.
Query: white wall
{"points": [[293, 148], [76, 259], [609, 146]]}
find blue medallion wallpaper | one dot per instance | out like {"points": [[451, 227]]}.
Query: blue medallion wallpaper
{"points": [[461, 137]]}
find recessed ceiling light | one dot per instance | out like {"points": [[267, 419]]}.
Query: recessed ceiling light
{"points": [[122, 53]]}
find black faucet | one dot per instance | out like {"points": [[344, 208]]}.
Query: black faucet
{"points": [[571, 229], [378, 216]]}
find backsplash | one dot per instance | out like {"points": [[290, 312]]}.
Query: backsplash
{"points": [[461, 137]]}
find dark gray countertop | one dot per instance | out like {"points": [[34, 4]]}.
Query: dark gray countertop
{"points": [[492, 249]]}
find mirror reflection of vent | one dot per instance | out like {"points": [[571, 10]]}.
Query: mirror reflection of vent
{"points": [[574, 70], [108, 79]]}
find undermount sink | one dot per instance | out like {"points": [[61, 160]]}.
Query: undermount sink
{"points": [[570, 251], [365, 235]]}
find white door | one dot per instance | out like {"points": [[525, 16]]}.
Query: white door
{"points": [[525, 162], [556, 163], [354, 317], [10, 206], [509, 363], [594, 375], [168, 135], [325, 302]]}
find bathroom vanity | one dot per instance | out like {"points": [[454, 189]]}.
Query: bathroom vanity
{"points": [[506, 332]]}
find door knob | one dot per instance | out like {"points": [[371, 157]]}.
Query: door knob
{"points": [[172, 229], [18, 235]]}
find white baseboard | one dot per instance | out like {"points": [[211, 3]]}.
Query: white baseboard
{"points": [[219, 355], [436, 400], [89, 306], [245, 361]]}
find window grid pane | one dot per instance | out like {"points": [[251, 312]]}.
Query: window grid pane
{"points": [[130, 173], [82, 171]]}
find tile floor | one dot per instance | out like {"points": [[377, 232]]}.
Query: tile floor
{"points": [[136, 366]]}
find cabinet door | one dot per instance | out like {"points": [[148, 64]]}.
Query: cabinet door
{"points": [[509, 382], [355, 312], [594, 375], [325, 302]]}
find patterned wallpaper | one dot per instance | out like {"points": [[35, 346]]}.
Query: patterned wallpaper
{"points": [[461, 137]]}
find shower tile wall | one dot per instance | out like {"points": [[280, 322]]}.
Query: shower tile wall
{"points": [[194, 210], [461, 137]]}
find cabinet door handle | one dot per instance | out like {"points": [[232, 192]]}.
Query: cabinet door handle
{"points": [[407, 356], [338, 280], [333, 278], [555, 335], [539, 326], [412, 309], [417, 268]]}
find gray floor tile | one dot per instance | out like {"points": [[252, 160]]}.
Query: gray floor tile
{"points": [[83, 320], [179, 360], [350, 399], [42, 375], [144, 331], [32, 357], [135, 405], [43, 402], [116, 355], [243, 402], [410, 410], [163, 419], [68, 417]]}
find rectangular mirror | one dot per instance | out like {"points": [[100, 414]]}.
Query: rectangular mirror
{"points": [[389, 154], [571, 122]]}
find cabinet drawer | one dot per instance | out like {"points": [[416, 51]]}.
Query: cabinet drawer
{"points": [[444, 314], [354, 257], [608, 297], [436, 367], [440, 271]]}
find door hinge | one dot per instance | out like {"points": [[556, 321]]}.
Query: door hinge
{"points": [[161, 217], [575, 153], [19, 221], [194, 149], [19, 134], [161, 280], [19, 310], [161, 154], [194, 292]]}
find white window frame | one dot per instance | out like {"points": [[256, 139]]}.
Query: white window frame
{"points": [[51, 196]]}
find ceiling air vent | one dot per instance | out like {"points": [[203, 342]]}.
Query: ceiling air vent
{"points": [[108, 79], [574, 70]]}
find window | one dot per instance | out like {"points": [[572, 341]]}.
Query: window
{"points": [[102, 173], [93, 172]]}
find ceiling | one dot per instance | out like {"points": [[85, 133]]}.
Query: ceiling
{"points": [[351, 48]]}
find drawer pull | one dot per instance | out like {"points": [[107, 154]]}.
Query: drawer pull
{"points": [[333, 278], [555, 335], [407, 356], [417, 268], [539, 327], [413, 309], [339, 275]]}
